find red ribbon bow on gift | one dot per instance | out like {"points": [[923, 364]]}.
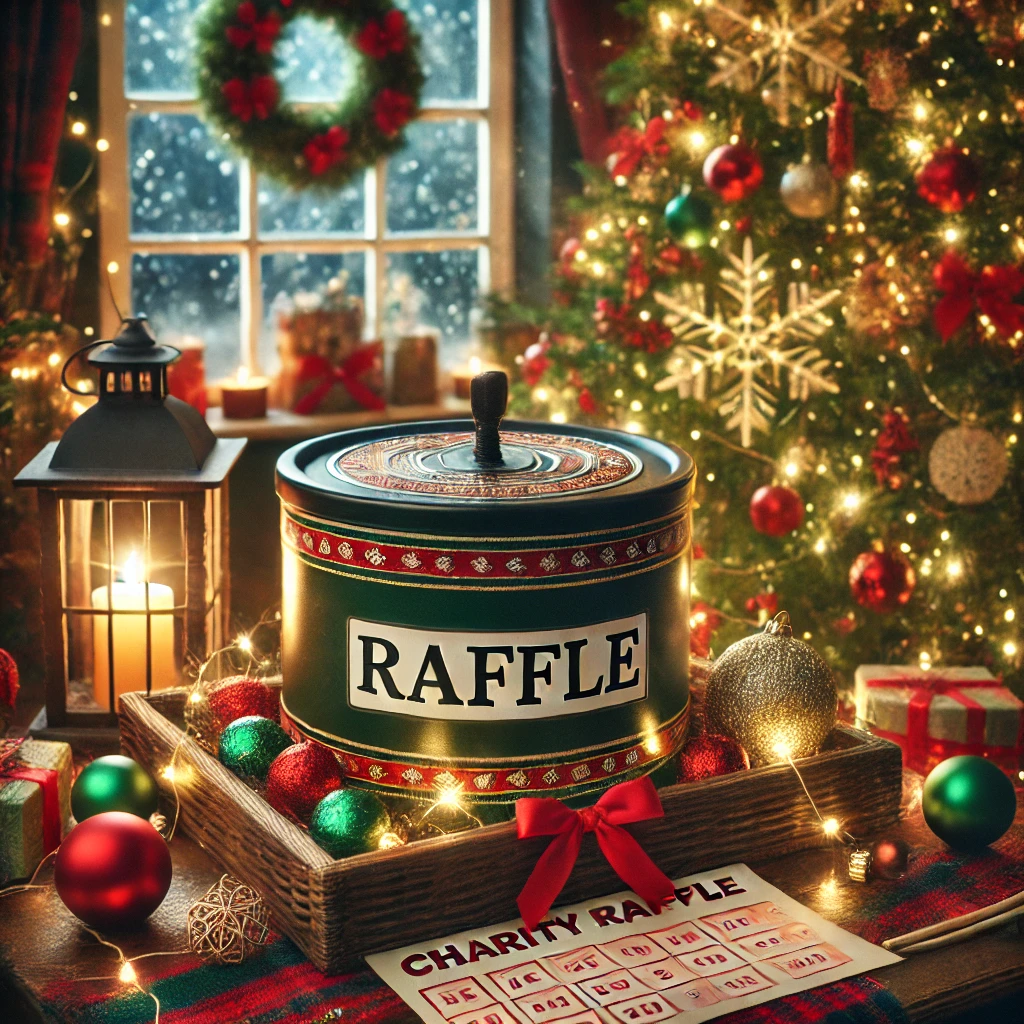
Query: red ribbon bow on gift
{"points": [[323, 151], [320, 369], [251, 28], [256, 97], [992, 291], [630, 146], [623, 804], [48, 781]]}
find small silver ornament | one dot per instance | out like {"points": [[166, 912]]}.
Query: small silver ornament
{"points": [[967, 465], [773, 694], [809, 190]]}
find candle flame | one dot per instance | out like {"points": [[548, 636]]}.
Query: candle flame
{"points": [[475, 365], [130, 570], [243, 375]]}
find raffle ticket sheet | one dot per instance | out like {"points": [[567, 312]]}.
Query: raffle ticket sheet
{"points": [[728, 940]]}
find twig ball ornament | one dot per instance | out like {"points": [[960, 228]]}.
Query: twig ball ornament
{"points": [[239, 696], [688, 219], [773, 694], [809, 191], [881, 581], [709, 755], [349, 821], [968, 802], [967, 465], [113, 783], [776, 510], [228, 922], [249, 745], [113, 870], [300, 777], [734, 171]]}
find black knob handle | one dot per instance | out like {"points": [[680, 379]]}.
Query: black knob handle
{"points": [[488, 396]]}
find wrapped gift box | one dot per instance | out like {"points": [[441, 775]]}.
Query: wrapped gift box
{"points": [[35, 803], [934, 714]]}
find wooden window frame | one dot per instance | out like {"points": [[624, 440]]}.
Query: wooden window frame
{"points": [[496, 232]]}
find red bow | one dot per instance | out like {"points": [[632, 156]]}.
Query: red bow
{"points": [[993, 291], [322, 152], [379, 38], [630, 146], [391, 110], [257, 96], [319, 369], [253, 29], [623, 804]]}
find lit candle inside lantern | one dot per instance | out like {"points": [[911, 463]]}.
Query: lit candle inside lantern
{"points": [[129, 636], [462, 377], [245, 397]]}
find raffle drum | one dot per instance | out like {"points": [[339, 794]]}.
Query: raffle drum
{"points": [[499, 614]]}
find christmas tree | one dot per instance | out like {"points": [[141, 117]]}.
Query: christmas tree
{"points": [[804, 263]]}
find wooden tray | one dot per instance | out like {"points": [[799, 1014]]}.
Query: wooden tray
{"points": [[339, 911]]}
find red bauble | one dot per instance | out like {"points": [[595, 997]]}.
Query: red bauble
{"points": [[776, 510], [300, 777], [570, 247], [113, 870], [881, 581], [708, 755], [889, 858], [949, 180], [734, 171], [239, 697]]}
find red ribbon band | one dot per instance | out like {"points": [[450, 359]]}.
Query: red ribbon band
{"points": [[48, 781], [628, 802], [319, 369]]}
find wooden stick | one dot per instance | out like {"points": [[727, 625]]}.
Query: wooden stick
{"points": [[961, 934], [954, 924]]}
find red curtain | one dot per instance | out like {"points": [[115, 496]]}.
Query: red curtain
{"points": [[39, 42], [589, 34]]}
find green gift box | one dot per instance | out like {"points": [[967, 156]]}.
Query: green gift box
{"points": [[35, 803]]}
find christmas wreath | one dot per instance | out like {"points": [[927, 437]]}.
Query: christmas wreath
{"points": [[315, 145]]}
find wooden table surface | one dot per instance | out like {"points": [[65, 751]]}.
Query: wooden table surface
{"points": [[40, 941]]}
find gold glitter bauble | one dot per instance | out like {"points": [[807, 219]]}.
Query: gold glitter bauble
{"points": [[773, 694], [967, 465]]}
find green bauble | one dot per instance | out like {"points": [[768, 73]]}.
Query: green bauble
{"points": [[968, 802], [688, 219], [249, 745], [349, 821], [113, 783]]}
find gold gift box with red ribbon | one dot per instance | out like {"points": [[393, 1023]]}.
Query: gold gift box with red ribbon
{"points": [[937, 713]]}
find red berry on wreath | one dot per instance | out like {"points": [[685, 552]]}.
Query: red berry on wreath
{"points": [[881, 581], [734, 171], [389, 35], [776, 510], [300, 777], [708, 755], [240, 697], [392, 110], [949, 180]]}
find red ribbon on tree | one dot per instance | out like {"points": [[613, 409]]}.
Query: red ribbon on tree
{"points": [[319, 369], [256, 97], [993, 292], [630, 146], [48, 781], [251, 28], [623, 804]]}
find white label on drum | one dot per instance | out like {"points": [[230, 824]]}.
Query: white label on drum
{"points": [[488, 677]]}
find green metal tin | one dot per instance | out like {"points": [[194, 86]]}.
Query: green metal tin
{"points": [[505, 630]]}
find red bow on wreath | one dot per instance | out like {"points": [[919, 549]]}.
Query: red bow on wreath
{"points": [[251, 28], [322, 152], [379, 38], [623, 804], [391, 110], [256, 97], [347, 375], [630, 146], [993, 292]]}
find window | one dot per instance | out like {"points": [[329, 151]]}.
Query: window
{"points": [[206, 246]]}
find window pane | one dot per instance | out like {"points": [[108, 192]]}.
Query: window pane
{"points": [[192, 295], [436, 289], [449, 30], [285, 213], [314, 63], [433, 182], [159, 48], [299, 279], [183, 181]]}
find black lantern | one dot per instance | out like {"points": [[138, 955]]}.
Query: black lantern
{"points": [[133, 521]]}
